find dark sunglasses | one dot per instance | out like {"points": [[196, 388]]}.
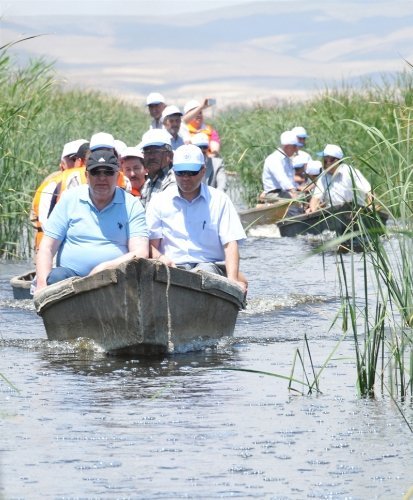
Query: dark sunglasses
{"points": [[107, 172], [188, 173]]}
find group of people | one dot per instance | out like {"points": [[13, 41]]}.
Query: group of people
{"points": [[163, 198], [290, 172]]}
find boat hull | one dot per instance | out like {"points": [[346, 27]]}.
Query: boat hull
{"points": [[268, 213], [142, 307], [21, 285]]}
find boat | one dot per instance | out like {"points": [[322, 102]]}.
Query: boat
{"points": [[141, 307], [21, 285], [341, 219], [265, 213]]}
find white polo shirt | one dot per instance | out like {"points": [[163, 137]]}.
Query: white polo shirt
{"points": [[344, 186], [278, 172], [193, 231]]}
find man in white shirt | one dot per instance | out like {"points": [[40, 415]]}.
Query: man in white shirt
{"points": [[156, 104], [192, 225], [339, 183]]}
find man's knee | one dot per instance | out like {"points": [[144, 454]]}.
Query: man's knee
{"points": [[59, 274]]}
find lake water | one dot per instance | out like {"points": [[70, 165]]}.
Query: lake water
{"points": [[78, 424]]}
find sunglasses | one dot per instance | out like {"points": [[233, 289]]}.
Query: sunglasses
{"points": [[107, 172], [188, 173]]}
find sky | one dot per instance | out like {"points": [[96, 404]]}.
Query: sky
{"points": [[238, 51]]}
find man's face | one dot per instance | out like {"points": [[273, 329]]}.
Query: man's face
{"points": [[188, 183], [155, 110], [134, 170], [156, 158], [330, 163], [173, 124], [102, 182], [290, 150]]}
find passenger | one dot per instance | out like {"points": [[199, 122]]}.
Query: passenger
{"points": [[302, 136], [339, 183], [156, 104], [158, 154], [313, 170], [215, 175], [131, 162], [94, 227], [194, 120], [192, 225], [299, 165], [68, 157], [172, 122], [278, 173]]}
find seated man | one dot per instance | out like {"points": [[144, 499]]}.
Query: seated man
{"points": [[194, 120], [193, 225], [172, 122], [131, 162], [339, 183], [156, 104], [93, 227], [215, 174]]}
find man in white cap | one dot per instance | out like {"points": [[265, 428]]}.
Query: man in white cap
{"points": [[172, 122], [278, 173], [339, 183], [131, 163], [302, 136], [215, 175], [158, 154], [194, 120], [156, 104], [192, 225]]}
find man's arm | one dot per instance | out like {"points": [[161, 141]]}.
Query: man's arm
{"points": [[232, 264], [156, 254], [44, 260], [138, 248]]}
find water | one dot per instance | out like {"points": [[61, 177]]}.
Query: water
{"points": [[78, 424]]}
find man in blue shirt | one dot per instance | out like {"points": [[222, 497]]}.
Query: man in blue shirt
{"points": [[93, 227], [192, 225]]}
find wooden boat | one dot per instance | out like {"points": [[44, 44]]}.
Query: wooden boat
{"points": [[338, 219], [142, 307], [21, 285], [267, 213]]}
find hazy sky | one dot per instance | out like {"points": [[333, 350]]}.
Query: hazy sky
{"points": [[234, 50]]}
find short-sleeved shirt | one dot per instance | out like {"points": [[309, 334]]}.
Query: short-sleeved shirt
{"points": [[344, 186], [90, 236], [278, 172], [193, 231]]}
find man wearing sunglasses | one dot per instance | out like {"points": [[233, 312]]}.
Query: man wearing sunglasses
{"points": [[192, 225], [93, 227]]}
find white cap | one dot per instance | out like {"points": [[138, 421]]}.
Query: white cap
{"points": [[71, 148], [332, 150], [170, 110], [191, 105], [314, 167], [132, 151], [298, 161], [155, 137], [120, 146], [288, 138], [102, 140], [200, 139], [188, 157], [155, 98], [300, 132]]}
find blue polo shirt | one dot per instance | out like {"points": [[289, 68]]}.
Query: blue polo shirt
{"points": [[90, 236]]}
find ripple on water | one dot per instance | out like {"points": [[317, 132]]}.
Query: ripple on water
{"points": [[268, 304]]}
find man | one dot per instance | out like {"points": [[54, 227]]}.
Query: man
{"points": [[215, 175], [158, 154], [131, 162], [278, 173], [194, 121], [172, 122], [192, 225], [156, 104], [68, 157], [302, 136], [93, 227], [339, 183]]}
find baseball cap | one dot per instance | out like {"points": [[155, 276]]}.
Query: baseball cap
{"points": [[132, 151], [332, 150], [156, 137], [155, 98], [200, 139], [102, 140], [313, 167], [298, 162], [119, 146], [191, 105], [170, 110], [102, 158], [188, 157], [288, 138], [72, 147], [300, 132]]}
